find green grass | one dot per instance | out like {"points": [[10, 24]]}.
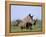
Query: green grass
{"points": [[36, 28], [18, 29]]}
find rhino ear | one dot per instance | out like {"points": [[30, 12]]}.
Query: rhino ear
{"points": [[29, 14]]}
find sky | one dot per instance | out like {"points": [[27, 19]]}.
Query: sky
{"points": [[18, 12]]}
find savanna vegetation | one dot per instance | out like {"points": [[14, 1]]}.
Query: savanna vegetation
{"points": [[16, 28]]}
